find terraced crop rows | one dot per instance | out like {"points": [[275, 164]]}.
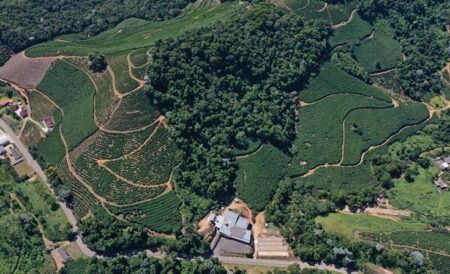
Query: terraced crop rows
{"points": [[109, 186], [161, 214], [134, 112], [114, 145], [150, 165]]}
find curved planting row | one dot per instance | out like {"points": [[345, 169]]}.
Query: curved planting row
{"points": [[320, 130], [150, 165], [332, 80], [83, 202], [109, 186], [161, 214], [114, 145], [134, 112], [367, 127]]}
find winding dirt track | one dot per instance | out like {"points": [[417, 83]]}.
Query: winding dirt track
{"points": [[343, 24]]}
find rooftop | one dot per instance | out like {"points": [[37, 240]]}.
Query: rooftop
{"points": [[235, 227]]}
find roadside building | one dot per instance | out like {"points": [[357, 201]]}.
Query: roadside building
{"points": [[443, 163], [4, 140], [232, 226], [16, 157]]}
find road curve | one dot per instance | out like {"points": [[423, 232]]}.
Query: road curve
{"points": [[39, 172]]}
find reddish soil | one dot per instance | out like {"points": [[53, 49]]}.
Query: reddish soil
{"points": [[25, 72]]}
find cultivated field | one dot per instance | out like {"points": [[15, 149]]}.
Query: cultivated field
{"points": [[259, 174], [25, 72]]}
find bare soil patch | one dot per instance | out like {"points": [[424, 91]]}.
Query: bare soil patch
{"points": [[25, 72]]}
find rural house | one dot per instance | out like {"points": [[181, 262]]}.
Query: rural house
{"points": [[440, 184], [443, 162], [49, 123]]}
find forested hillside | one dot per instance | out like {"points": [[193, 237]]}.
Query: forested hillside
{"points": [[420, 26], [25, 23], [223, 85]]}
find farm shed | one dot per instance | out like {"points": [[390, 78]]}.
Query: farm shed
{"points": [[4, 140]]}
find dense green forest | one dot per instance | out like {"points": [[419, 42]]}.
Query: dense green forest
{"points": [[25, 23], [420, 26], [223, 85]]}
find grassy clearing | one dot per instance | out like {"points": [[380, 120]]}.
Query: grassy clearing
{"points": [[134, 112], [134, 33], [39, 200], [152, 164], [362, 127], [332, 80], [161, 214], [74, 92], [320, 138], [421, 196], [353, 32], [259, 174], [119, 65], [437, 102], [346, 225], [379, 53]]}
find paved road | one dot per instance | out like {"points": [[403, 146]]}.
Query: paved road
{"points": [[277, 263], [39, 172]]}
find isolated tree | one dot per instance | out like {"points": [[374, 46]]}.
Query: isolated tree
{"points": [[97, 62]]}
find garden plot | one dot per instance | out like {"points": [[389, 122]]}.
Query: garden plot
{"points": [[120, 67], [40, 107], [354, 31]]}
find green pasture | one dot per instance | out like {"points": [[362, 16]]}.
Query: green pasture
{"points": [[332, 80], [135, 33], [346, 225], [258, 175]]}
